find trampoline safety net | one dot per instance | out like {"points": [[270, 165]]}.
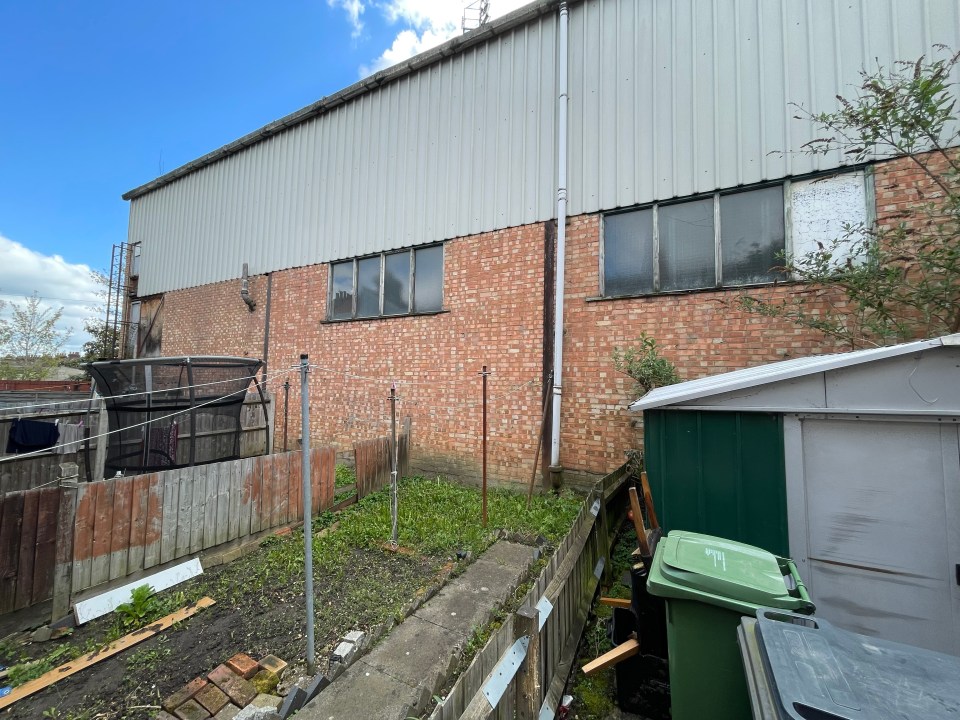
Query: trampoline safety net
{"points": [[168, 413]]}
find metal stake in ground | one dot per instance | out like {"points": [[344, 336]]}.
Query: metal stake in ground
{"points": [[286, 410], [483, 374], [393, 464], [307, 507]]}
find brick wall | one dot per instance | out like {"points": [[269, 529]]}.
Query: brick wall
{"points": [[493, 302], [703, 333], [493, 305], [214, 320]]}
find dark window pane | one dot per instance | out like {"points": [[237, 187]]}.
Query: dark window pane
{"points": [[628, 253], [751, 235], [687, 247], [342, 291], [396, 284], [428, 279], [368, 287]]}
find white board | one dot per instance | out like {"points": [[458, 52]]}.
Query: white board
{"points": [[100, 605]]}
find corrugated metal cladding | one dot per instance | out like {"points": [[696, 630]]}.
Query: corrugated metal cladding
{"points": [[459, 147], [667, 98]]}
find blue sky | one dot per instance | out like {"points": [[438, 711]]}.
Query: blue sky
{"points": [[99, 97]]}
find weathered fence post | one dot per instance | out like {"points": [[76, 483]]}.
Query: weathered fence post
{"points": [[63, 567], [528, 688]]}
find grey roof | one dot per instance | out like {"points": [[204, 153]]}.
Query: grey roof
{"points": [[774, 372]]}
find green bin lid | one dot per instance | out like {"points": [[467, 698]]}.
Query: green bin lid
{"points": [[722, 572]]}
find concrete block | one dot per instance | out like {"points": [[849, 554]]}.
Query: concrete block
{"points": [[266, 700], [265, 681], [295, 699], [344, 653], [229, 712], [316, 686], [356, 637], [274, 664]]}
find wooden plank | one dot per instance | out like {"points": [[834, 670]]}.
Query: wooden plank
{"points": [[295, 487], [247, 481], [224, 475], [64, 570], [170, 514], [46, 552], [11, 519], [120, 538], [256, 492], [28, 545], [281, 486], [266, 492], [198, 508], [102, 533], [140, 495], [83, 535], [153, 525], [184, 513], [317, 498], [236, 490], [103, 653], [212, 473]]}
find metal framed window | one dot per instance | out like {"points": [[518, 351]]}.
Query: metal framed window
{"points": [[404, 282], [709, 241]]}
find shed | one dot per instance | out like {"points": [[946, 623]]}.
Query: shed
{"points": [[849, 463]]}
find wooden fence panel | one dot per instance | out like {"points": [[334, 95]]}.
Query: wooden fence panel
{"points": [[120, 531], [281, 488], [102, 533], [23, 570], [46, 553], [210, 498], [169, 515], [249, 495], [83, 535], [153, 522], [184, 517], [235, 490], [198, 507], [224, 475], [138, 522], [295, 487]]}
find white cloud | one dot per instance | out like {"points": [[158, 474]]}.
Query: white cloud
{"points": [[424, 25], [354, 9], [60, 284]]}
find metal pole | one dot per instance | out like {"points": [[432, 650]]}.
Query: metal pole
{"points": [[393, 464], [484, 374], [307, 506], [286, 411]]}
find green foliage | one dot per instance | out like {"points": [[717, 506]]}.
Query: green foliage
{"points": [[896, 282], [31, 670], [344, 475], [644, 363], [140, 610], [30, 340]]}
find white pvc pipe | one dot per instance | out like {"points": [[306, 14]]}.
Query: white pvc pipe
{"points": [[561, 235]]}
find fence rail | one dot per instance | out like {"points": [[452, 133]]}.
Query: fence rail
{"points": [[562, 596], [60, 540]]}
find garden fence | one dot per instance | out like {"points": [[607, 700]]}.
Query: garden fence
{"points": [[57, 541], [562, 595]]}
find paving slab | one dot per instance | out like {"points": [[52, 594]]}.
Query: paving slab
{"points": [[401, 673]]}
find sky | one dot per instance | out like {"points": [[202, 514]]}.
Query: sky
{"points": [[99, 97]]}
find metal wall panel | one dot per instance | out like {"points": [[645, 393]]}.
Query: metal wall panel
{"points": [[670, 98], [462, 146], [667, 98]]}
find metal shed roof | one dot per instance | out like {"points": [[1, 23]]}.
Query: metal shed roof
{"points": [[774, 372]]}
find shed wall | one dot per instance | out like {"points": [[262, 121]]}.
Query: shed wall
{"points": [[719, 473], [667, 98]]}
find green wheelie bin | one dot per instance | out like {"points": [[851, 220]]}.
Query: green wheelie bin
{"points": [[708, 584]]}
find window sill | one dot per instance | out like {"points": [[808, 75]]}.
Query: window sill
{"points": [[698, 291], [383, 317]]}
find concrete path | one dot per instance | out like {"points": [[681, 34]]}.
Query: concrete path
{"points": [[399, 677]]}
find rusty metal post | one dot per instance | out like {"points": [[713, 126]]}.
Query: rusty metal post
{"points": [[483, 374], [286, 411], [394, 509]]}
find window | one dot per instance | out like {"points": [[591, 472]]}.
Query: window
{"points": [[396, 283], [706, 242]]}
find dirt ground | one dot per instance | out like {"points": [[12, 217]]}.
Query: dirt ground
{"points": [[365, 592]]}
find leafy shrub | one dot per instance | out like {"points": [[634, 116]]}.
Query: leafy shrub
{"points": [[644, 363]]}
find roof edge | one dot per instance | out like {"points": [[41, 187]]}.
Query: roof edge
{"points": [[453, 46], [673, 395]]}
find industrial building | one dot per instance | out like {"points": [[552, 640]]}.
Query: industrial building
{"points": [[528, 196]]}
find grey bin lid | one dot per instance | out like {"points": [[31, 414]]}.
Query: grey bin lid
{"points": [[820, 672]]}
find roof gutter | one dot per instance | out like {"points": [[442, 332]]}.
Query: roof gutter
{"points": [[451, 47]]}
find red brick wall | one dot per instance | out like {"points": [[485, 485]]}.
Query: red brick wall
{"points": [[214, 320], [493, 298], [703, 333]]}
